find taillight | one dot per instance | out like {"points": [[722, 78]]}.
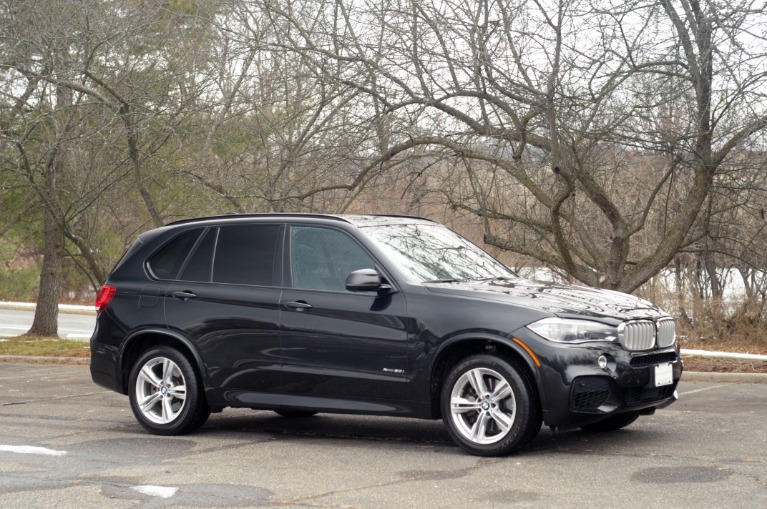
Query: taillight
{"points": [[104, 296]]}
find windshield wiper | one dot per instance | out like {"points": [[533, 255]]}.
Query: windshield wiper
{"points": [[447, 280]]}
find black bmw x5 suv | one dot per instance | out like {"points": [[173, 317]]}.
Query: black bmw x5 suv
{"points": [[373, 315]]}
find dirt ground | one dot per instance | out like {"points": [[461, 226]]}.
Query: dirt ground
{"points": [[696, 363]]}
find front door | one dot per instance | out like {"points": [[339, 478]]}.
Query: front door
{"points": [[337, 343]]}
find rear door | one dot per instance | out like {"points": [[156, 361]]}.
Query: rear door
{"points": [[226, 301]]}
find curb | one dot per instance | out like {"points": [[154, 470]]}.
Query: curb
{"points": [[723, 355], [30, 359], [736, 378]]}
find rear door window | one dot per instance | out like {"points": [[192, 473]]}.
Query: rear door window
{"points": [[199, 266], [246, 255]]}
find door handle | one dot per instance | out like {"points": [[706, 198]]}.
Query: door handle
{"points": [[298, 306], [184, 295]]}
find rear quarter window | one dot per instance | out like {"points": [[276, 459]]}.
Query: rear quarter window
{"points": [[168, 260]]}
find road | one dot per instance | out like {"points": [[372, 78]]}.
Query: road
{"points": [[707, 450], [14, 322]]}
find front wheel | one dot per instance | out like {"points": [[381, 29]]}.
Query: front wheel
{"points": [[489, 406], [166, 394]]}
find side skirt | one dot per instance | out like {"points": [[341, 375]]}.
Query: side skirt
{"points": [[276, 401]]}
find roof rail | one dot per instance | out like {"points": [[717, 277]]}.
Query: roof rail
{"points": [[346, 218], [229, 215]]}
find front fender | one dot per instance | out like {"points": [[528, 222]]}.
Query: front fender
{"points": [[475, 341]]}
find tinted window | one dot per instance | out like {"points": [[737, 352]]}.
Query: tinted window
{"points": [[166, 262], [322, 258], [199, 265], [246, 254]]}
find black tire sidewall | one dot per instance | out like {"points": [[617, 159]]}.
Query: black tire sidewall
{"points": [[195, 406], [524, 419]]}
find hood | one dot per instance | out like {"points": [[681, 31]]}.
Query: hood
{"points": [[559, 299]]}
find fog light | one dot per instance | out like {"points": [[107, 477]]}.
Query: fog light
{"points": [[602, 361]]}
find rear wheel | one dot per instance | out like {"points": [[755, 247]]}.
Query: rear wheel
{"points": [[166, 394], [489, 406], [612, 423]]}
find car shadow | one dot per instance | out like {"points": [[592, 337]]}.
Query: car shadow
{"points": [[326, 427]]}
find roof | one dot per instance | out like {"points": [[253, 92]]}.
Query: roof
{"points": [[360, 220]]}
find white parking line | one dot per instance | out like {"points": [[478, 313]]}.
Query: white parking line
{"points": [[30, 449], [156, 491], [701, 390]]}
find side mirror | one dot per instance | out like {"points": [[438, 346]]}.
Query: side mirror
{"points": [[366, 280]]}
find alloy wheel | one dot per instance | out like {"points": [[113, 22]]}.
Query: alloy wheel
{"points": [[160, 390], [482, 406]]}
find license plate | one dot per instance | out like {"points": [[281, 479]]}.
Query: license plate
{"points": [[664, 375]]}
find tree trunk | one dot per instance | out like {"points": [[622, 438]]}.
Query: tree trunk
{"points": [[47, 311], [46, 321], [680, 289]]}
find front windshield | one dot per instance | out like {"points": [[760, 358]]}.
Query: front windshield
{"points": [[434, 253]]}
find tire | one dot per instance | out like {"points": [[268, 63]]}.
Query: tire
{"points": [[166, 394], [295, 414], [489, 406], [612, 423]]}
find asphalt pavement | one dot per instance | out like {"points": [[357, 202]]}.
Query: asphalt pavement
{"points": [[65, 442]]}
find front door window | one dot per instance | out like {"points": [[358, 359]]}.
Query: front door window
{"points": [[322, 258]]}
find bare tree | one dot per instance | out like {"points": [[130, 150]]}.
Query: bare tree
{"points": [[87, 84], [284, 132], [600, 93], [598, 137]]}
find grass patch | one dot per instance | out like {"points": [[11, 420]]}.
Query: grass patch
{"points": [[722, 365], [44, 347]]}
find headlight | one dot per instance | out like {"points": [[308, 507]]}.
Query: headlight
{"points": [[567, 330]]}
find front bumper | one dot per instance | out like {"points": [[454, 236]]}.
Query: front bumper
{"points": [[575, 391]]}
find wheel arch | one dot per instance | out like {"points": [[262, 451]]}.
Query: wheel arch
{"points": [[142, 340], [453, 351]]}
